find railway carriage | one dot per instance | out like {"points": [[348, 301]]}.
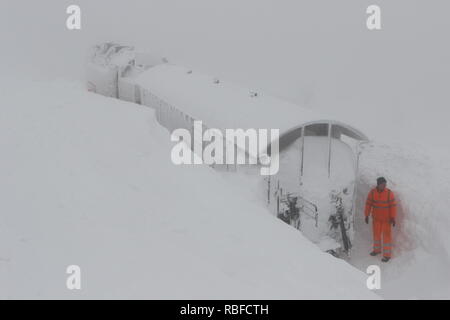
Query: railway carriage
{"points": [[315, 187]]}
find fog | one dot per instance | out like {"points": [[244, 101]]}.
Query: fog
{"points": [[393, 83]]}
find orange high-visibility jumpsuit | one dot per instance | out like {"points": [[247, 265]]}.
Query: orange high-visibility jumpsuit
{"points": [[382, 206]]}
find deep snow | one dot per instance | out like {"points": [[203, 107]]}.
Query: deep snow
{"points": [[87, 180], [392, 85]]}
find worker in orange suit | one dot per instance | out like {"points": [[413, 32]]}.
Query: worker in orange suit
{"points": [[381, 205]]}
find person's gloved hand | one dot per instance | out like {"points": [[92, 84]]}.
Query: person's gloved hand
{"points": [[367, 220], [393, 222]]}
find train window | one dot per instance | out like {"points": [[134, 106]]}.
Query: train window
{"points": [[317, 129], [345, 135]]}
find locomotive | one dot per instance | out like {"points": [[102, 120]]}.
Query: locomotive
{"points": [[315, 187]]}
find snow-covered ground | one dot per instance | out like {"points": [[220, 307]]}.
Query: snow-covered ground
{"points": [[87, 180]]}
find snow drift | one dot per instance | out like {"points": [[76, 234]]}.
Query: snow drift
{"points": [[420, 178], [87, 180], [79, 193]]}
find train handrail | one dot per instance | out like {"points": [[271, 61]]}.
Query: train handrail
{"points": [[306, 206], [311, 209]]}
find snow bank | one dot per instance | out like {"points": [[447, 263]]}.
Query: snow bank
{"points": [[420, 178], [102, 80], [87, 180]]}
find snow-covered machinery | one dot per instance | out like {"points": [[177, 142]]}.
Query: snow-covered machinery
{"points": [[111, 67], [315, 188]]}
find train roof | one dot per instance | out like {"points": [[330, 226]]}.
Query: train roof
{"points": [[223, 105]]}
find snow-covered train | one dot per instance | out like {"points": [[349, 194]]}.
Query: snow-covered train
{"points": [[315, 187]]}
